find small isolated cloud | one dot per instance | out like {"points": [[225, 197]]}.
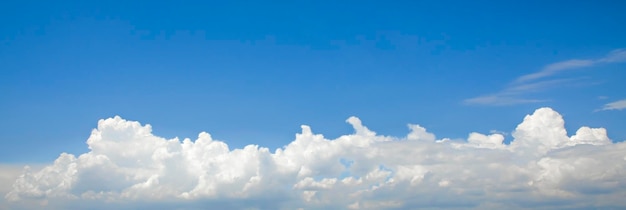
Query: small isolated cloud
{"points": [[515, 92], [616, 105], [499, 132], [128, 167]]}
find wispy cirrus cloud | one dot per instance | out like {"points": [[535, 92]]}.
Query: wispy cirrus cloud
{"points": [[554, 68], [500, 100], [616, 105], [515, 92], [614, 56]]}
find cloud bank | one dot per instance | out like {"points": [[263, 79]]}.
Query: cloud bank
{"points": [[129, 167]]}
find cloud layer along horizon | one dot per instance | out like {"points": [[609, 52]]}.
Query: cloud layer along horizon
{"points": [[129, 167]]}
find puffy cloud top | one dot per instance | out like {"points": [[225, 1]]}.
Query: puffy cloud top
{"points": [[128, 166]]}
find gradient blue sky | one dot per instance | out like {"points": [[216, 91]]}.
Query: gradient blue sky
{"points": [[251, 72]]}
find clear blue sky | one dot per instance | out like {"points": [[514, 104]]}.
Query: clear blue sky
{"points": [[251, 72]]}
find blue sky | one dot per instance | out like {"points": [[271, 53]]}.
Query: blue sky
{"points": [[473, 104], [251, 72]]}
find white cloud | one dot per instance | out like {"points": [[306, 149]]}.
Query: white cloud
{"points": [[554, 68], [615, 56], [618, 55], [515, 91], [500, 100], [616, 105], [128, 167], [8, 175]]}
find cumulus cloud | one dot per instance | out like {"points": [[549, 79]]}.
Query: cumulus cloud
{"points": [[515, 92], [129, 167], [8, 175]]}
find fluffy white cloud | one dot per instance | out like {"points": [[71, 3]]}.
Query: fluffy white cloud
{"points": [[128, 167], [8, 175]]}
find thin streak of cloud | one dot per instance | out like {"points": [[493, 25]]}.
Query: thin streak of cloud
{"points": [[616, 105], [514, 93], [615, 56], [552, 69], [498, 100], [537, 86]]}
